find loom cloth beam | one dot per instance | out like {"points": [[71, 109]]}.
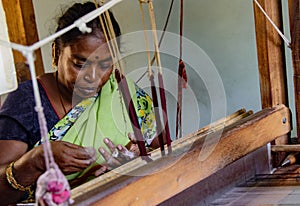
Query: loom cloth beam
{"points": [[237, 140]]}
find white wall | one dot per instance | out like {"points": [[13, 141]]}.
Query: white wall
{"points": [[219, 50], [8, 80]]}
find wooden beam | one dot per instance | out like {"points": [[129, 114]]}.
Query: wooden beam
{"points": [[223, 122], [20, 19], [286, 148], [295, 45], [271, 62], [140, 183], [226, 179], [270, 54]]}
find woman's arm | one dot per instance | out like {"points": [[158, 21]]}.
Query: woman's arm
{"points": [[24, 171], [28, 166]]}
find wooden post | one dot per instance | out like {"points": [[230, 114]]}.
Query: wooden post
{"points": [[271, 61], [20, 19], [295, 45]]}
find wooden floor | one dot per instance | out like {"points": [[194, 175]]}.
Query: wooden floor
{"points": [[280, 188]]}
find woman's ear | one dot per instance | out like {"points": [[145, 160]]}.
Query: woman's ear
{"points": [[55, 54]]}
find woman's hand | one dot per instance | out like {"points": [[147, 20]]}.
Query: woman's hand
{"points": [[118, 154], [70, 157]]}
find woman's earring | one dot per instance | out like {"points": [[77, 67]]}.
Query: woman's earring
{"points": [[54, 55]]}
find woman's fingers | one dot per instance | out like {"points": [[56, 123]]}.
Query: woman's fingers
{"points": [[111, 146], [135, 149], [132, 138], [72, 158], [91, 152], [111, 161], [125, 153], [101, 170]]}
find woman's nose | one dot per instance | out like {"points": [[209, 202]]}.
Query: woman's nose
{"points": [[90, 74]]}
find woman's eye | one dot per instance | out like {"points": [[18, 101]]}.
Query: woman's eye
{"points": [[105, 65], [79, 66]]}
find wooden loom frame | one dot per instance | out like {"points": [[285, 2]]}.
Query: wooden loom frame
{"points": [[272, 122], [171, 175]]}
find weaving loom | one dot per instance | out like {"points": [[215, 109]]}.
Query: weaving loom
{"points": [[203, 157]]}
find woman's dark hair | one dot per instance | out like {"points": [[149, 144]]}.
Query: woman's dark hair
{"points": [[76, 11]]}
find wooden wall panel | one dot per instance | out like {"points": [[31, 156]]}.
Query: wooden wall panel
{"points": [[270, 54], [271, 62], [22, 29]]}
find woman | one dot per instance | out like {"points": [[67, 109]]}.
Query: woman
{"points": [[84, 77]]}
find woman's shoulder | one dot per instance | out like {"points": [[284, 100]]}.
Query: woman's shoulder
{"points": [[19, 109], [22, 99], [22, 94], [26, 88]]}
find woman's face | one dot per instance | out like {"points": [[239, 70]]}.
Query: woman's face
{"points": [[85, 66]]}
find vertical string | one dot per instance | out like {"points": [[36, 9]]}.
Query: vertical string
{"points": [[39, 109], [123, 86], [111, 47], [110, 36], [181, 28], [164, 108], [104, 30], [114, 41], [162, 35], [150, 73], [160, 78], [179, 82], [153, 88], [155, 41]]}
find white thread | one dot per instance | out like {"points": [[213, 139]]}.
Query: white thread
{"points": [[83, 27], [274, 25]]}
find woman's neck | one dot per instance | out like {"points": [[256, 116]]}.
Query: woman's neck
{"points": [[60, 99]]}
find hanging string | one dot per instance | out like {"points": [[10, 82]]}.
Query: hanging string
{"points": [[181, 28], [52, 186], [122, 83], [161, 37], [110, 36], [164, 109], [166, 23], [150, 73], [154, 35], [160, 79], [107, 35], [182, 79], [123, 86], [288, 43], [153, 88], [114, 42], [104, 30]]}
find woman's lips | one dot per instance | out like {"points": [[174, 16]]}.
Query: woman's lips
{"points": [[87, 90]]}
